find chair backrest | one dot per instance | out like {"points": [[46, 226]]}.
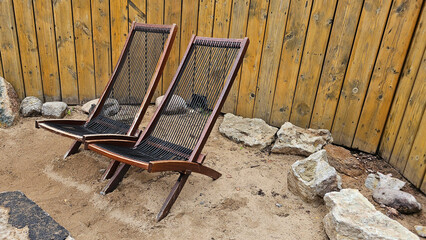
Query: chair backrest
{"points": [[134, 79], [191, 105]]}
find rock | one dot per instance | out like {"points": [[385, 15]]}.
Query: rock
{"points": [[313, 177], [87, 107], [253, 132], [9, 104], [401, 201], [352, 216], [31, 107], [176, 105], [111, 106], [421, 230], [343, 161], [300, 141], [380, 180], [54, 109]]}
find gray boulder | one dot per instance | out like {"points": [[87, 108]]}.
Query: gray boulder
{"points": [[253, 132], [352, 216], [300, 141], [9, 104], [312, 177], [401, 201], [54, 109], [176, 105], [31, 107], [380, 180], [111, 106], [343, 161], [87, 107], [420, 230]]}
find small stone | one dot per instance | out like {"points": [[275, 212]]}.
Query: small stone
{"points": [[278, 205], [343, 161], [420, 230], [380, 180], [9, 104], [110, 108], [54, 109], [31, 107], [88, 106], [176, 105], [401, 201]]}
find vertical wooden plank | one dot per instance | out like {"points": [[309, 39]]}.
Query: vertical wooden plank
{"points": [[1, 67], [9, 48], [222, 18], [336, 62], [258, 12], [155, 12], [188, 24], [364, 51], [205, 18], [423, 187], [47, 49], [271, 52], [411, 120], [172, 14], [101, 44], [294, 41], [137, 11], [237, 29], [119, 27], [396, 40], [66, 51], [312, 60], [84, 50], [416, 164], [408, 75]]}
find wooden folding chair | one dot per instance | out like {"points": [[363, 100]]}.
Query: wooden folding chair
{"points": [[128, 92], [182, 123]]}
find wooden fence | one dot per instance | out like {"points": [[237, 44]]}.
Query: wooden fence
{"points": [[357, 67]]}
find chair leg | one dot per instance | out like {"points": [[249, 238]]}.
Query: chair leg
{"points": [[112, 168], [170, 200], [116, 178], [73, 149]]}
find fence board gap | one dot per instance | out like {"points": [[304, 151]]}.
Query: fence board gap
{"points": [[137, 11]]}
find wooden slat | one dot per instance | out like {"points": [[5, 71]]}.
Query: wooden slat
{"points": [[172, 14], [411, 120], [416, 164], [66, 51], [155, 11], [222, 18], [189, 23], [396, 40], [101, 44], [423, 187], [1, 67], [258, 12], [84, 50], [336, 62], [27, 55], [364, 51], [237, 29], [294, 41], [271, 52], [137, 11], [312, 60], [408, 75], [119, 27], [205, 18]]}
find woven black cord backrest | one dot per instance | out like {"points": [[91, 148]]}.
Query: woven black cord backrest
{"points": [[191, 99], [131, 81]]}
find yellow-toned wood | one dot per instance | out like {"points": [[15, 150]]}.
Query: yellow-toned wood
{"points": [[27, 55], [423, 187], [172, 14], [408, 75], [364, 51], [237, 29], [258, 12], [312, 60], [205, 18], [222, 18], [416, 164], [336, 62], [47, 49], [189, 23], [66, 51], [101, 44], [294, 40], [1, 67], [271, 52], [119, 27], [411, 120], [137, 11], [396, 40], [84, 50]]}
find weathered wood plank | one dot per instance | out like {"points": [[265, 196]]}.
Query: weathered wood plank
{"points": [[423, 187], [172, 14], [1, 67], [205, 18], [258, 12], [364, 51], [84, 50], [155, 11], [336, 62], [119, 27], [66, 51], [408, 75], [189, 23], [271, 53], [396, 40], [101, 44], [294, 42], [222, 18], [137, 11]]}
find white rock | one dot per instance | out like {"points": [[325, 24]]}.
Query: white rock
{"points": [[380, 180], [31, 106], [253, 132], [313, 177], [88, 106], [352, 216], [54, 109], [9, 104], [401, 201], [176, 105], [300, 141], [421, 230], [110, 108]]}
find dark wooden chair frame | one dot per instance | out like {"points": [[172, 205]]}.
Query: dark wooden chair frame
{"points": [[132, 133], [120, 164]]}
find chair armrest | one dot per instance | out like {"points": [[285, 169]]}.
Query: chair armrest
{"points": [[118, 142], [59, 121], [92, 137]]}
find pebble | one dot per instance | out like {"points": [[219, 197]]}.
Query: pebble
{"points": [[278, 205]]}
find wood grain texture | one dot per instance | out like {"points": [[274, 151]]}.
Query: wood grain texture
{"points": [[336, 62], [396, 40], [205, 18], [1, 67], [137, 11], [423, 187], [119, 27], [364, 52], [189, 23], [222, 18], [172, 14], [155, 12], [291, 54]]}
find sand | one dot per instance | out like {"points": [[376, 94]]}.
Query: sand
{"points": [[250, 200]]}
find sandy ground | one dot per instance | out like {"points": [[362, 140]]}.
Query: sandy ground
{"points": [[250, 200]]}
